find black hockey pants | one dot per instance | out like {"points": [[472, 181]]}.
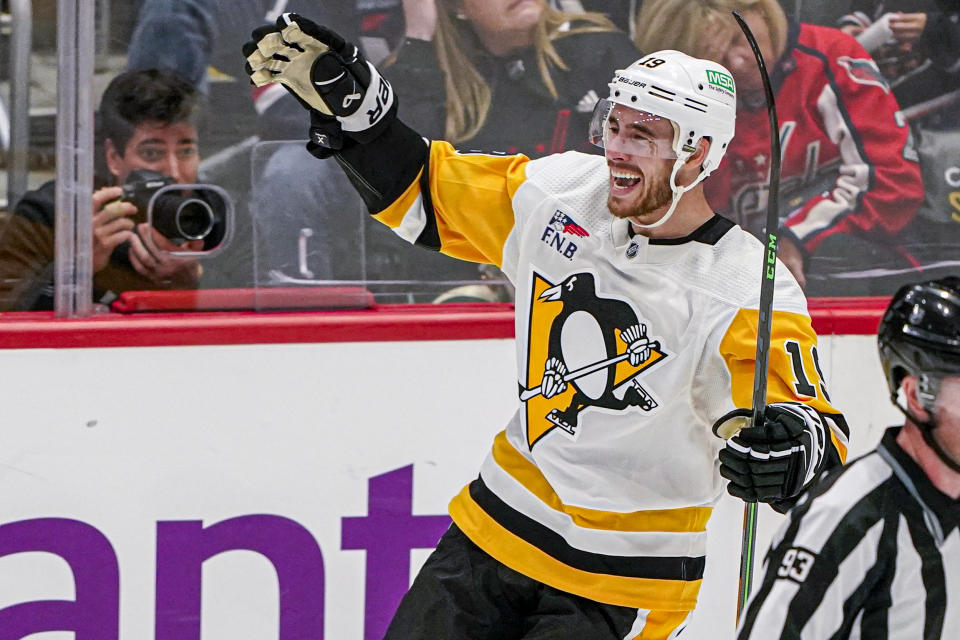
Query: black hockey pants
{"points": [[461, 593]]}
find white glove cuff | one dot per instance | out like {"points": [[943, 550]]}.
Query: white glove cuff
{"points": [[813, 425], [377, 101]]}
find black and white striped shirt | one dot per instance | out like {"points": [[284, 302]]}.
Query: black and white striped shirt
{"points": [[872, 552]]}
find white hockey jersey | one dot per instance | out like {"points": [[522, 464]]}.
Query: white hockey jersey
{"points": [[604, 489]]}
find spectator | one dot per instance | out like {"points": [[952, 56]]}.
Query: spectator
{"points": [[919, 53], [850, 180], [872, 550], [491, 75], [146, 121], [916, 51], [622, 13]]}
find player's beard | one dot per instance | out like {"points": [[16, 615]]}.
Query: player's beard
{"points": [[655, 193]]}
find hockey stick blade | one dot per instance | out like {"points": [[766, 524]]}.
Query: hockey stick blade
{"points": [[765, 311]]}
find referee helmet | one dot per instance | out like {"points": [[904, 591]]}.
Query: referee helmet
{"points": [[920, 336]]}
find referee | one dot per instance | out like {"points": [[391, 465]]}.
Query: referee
{"points": [[873, 550]]}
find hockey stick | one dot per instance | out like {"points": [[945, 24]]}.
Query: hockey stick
{"points": [[584, 370], [765, 319]]}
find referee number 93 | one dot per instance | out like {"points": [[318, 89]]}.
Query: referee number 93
{"points": [[796, 565]]}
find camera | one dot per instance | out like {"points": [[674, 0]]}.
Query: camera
{"points": [[176, 216]]}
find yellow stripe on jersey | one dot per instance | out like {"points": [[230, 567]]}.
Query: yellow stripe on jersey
{"points": [[471, 196], [518, 554], [393, 215], [687, 519], [794, 373]]}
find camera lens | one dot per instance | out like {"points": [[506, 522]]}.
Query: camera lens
{"points": [[182, 218], [194, 219]]}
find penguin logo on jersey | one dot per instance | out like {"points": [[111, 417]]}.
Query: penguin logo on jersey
{"points": [[583, 351]]}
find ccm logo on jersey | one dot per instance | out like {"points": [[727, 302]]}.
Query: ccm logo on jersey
{"points": [[559, 226], [796, 565]]}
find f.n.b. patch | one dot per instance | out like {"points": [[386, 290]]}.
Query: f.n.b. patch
{"points": [[554, 233]]}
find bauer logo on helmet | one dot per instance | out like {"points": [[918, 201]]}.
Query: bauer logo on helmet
{"points": [[633, 83]]}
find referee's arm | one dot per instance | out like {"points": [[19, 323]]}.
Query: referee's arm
{"points": [[820, 568]]}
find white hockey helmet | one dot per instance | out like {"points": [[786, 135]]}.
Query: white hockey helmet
{"points": [[698, 97]]}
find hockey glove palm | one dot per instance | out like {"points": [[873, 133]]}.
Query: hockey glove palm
{"points": [[328, 75], [775, 460]]}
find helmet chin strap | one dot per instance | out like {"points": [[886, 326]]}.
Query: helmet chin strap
{"points": [[926, 430], [677, 194], [677, 190]]}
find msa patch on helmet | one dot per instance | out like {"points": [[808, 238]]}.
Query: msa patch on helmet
{"points": [[864, 71], [721, 80]]}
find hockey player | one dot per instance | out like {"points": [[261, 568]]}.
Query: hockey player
{"points": [[588, 518], [874, 551]]}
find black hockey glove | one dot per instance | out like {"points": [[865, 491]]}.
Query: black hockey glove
{"points": [[773, 461], [345, 94]]}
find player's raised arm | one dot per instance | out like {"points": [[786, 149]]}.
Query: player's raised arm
{"points": [[425, 191]]}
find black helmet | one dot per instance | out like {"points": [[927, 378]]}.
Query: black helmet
{"points": [[920, 336]]}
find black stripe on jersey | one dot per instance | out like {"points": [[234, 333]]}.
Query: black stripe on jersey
{"points": [[709, 232], [875, 620], [847, 535], [775, 554], [670, 568], [934, 580], [857, 140], [429, 238], [837, 418]]}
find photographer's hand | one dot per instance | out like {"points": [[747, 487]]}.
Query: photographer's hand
{"points": [[160, 267], [112, 225]]}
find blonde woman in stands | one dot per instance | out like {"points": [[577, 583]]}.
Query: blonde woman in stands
{"points": [[500, 75]]}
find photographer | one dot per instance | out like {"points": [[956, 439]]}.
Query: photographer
{"points": [[145, 122]]}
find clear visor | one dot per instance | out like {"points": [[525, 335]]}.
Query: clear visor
{"points": [[616, 127]]}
